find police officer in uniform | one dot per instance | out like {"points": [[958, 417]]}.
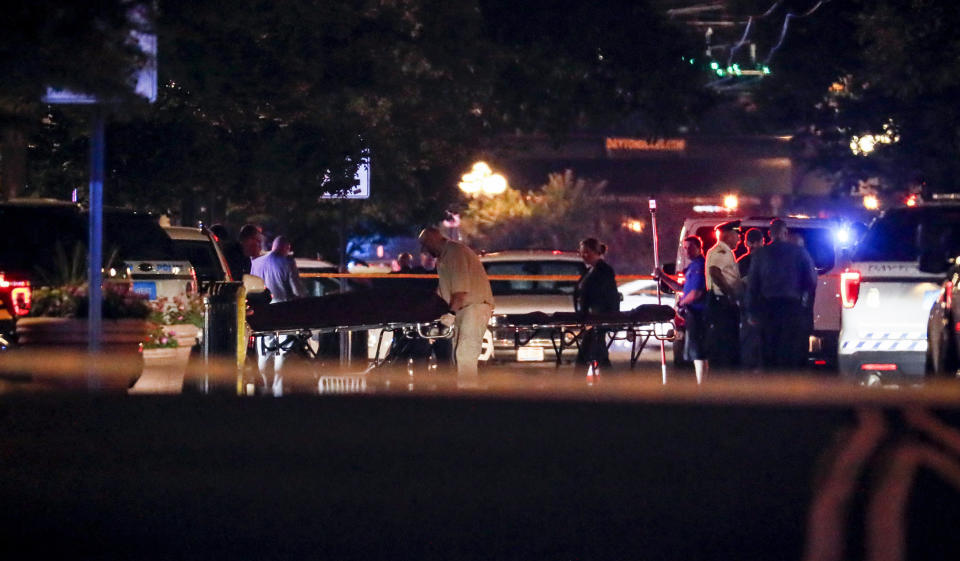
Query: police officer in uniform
{"points": [[723, 293]]}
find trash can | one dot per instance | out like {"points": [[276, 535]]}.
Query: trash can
{"points": [[224, 340]]}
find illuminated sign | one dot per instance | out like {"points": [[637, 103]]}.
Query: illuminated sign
{"points": [[620, 147]]}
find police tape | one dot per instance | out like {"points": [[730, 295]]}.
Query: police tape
{"points": [[620, 278]]}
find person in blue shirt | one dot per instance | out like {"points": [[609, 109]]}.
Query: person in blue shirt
{"points": [[693, 305]]}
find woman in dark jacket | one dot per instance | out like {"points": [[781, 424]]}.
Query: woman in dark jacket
{"points": [[596, 293]]}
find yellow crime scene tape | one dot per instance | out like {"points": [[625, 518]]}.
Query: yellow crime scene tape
{"points": [[620, 278]]}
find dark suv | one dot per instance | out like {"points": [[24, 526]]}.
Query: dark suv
{"points": [[44, 241]]}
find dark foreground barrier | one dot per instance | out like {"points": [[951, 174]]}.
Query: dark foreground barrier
{"points": [[385, 477]]}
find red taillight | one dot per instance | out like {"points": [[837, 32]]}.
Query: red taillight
{"points": [[820, 363], [19, 294], [21, 300], [849, 288], [879, 367], [947, 295]]}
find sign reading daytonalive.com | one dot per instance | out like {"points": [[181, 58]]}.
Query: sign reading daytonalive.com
{"points": [[624, 147]]}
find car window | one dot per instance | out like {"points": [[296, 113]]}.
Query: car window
{"points": [[29, 238], [895, 235], [521, 268], [203, 256], [820, 246]]}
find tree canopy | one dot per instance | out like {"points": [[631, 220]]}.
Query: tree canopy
{"points": [[880, 70], [267, 105]]}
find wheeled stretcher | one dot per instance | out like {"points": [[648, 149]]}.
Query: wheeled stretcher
{"points": [[409, 313], [567, 329]]}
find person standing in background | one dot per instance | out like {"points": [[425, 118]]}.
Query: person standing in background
{"points": [[753, 240], [781, 276], [750, 336], [595, 293]]}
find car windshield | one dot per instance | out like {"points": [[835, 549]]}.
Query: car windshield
{"points": [[526, 268], [896, 235], [203, 256], [135, 237]]}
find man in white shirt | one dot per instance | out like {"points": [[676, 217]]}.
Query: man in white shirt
{"points": [[723, 288], [464, 285]]}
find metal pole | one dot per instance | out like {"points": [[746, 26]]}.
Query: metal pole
{"points": [[95, 243], [656, 264], [346, 340]]}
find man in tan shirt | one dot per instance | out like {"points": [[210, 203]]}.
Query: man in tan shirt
{"points": [[463, 284]]}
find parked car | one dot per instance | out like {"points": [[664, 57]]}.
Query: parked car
{"points": [[942, 356], [823, 240], [14, 302], [42, 239], [642, 292], [524, 296], [202, 250], [888, 299], [316, 285]]}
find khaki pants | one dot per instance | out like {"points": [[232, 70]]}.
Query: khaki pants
{"points": [[470, 325]]}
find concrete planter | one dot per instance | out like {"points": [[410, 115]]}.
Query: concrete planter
{"points": [[61, 346], [185, 334], [163, 370]]}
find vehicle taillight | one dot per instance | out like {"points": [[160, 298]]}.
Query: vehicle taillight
{"points": [[19, 294], [881, 367], [849, 288], [947, 295], [21, 300]]}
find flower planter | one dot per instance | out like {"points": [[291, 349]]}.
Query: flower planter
{"points": [[186, 334], [119, 366], [163, 370]]}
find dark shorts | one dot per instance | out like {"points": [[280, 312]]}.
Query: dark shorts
{"points": [[695, 343]]}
